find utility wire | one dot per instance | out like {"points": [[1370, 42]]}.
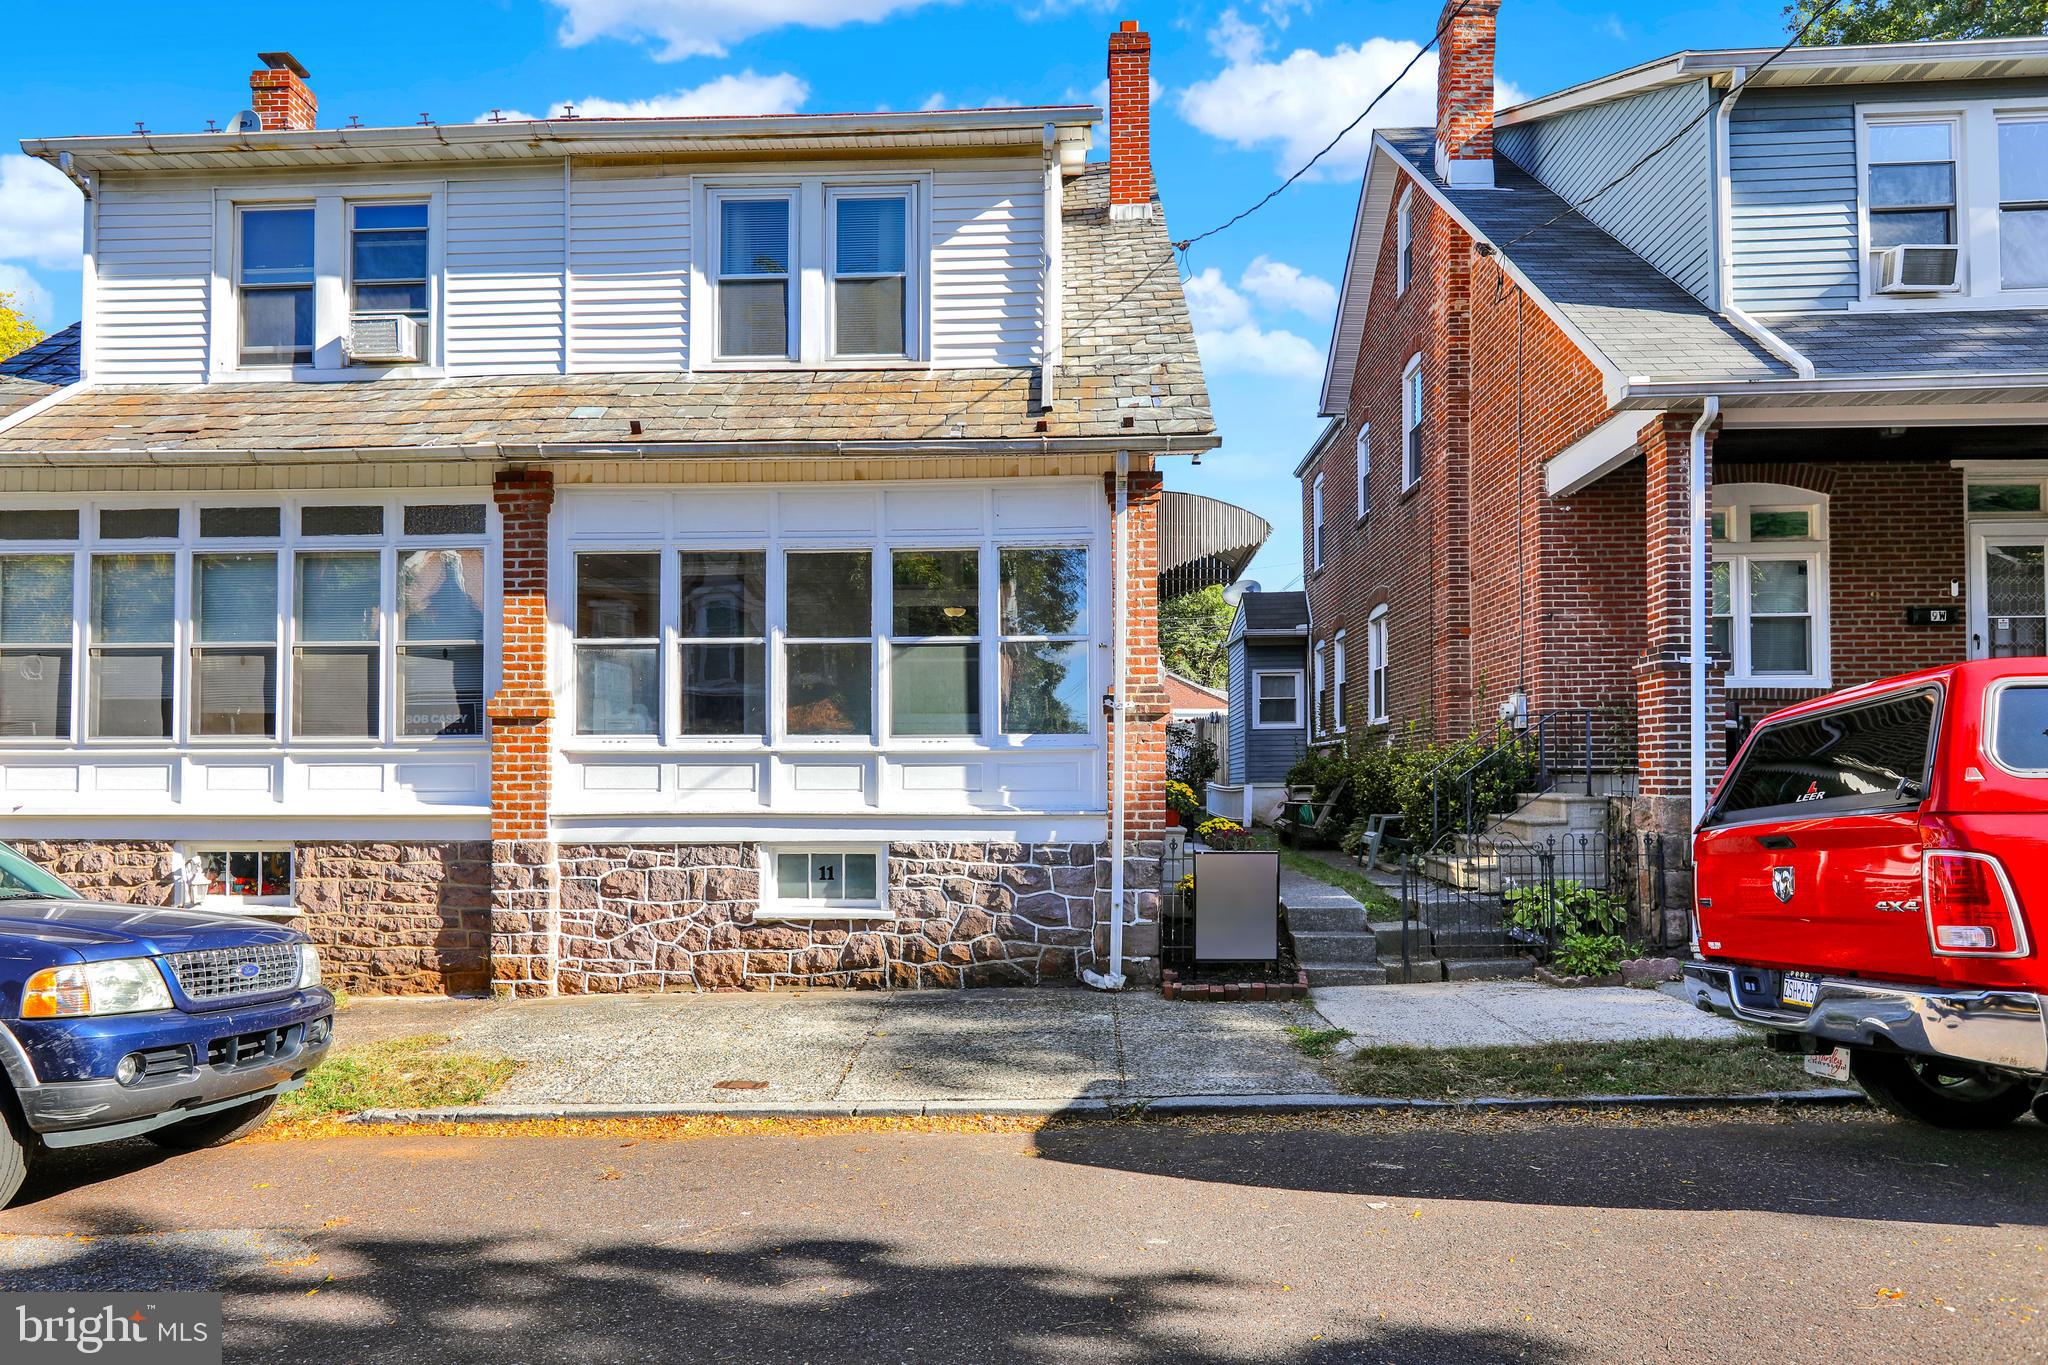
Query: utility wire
{"points": [[1573, 206]]}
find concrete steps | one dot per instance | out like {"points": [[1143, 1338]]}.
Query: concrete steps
{"points": [[1344, 974]]}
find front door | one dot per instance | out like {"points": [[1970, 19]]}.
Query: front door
{"points": [[2009, 590]]}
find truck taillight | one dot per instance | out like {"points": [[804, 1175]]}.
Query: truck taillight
{"points": [[1971, 911]]}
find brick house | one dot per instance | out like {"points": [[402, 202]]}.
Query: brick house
{"points": [[609, 554], [1676, 445]]}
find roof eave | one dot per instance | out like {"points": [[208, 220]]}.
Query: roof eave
{"points": [[1642, 392]]}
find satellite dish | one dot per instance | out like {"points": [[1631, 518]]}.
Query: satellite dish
{"points": [[248, 121], [1234, 594]]}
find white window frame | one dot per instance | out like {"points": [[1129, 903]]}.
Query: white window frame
{"points": [[1338, 699], [1316, 521], [348, 263], [912, 274], [1376, 665], [1299, 685], [228, 903], [1404, 241], [1412, 402], [774, 907], [392, 544], [1319, 674], [68, 646], [332, 212], [1362, 458], [650, 643], [1738, 550], [813, 228], [1977, 205]]}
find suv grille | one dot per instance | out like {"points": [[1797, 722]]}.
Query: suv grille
{"points": [[217, 973]]}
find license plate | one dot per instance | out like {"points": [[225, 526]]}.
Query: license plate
{"points": [[1831, 1065], [1799, 990]]}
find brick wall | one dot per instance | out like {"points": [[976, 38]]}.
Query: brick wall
{"points": [[524, 915], [1147, 710]]}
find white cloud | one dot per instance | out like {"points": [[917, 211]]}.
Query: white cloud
{"points": [[1280, 285], [41, 215], [705, 28], [935, 100], [745, 92], [1299, 102], [1213, 304], [1251, 348], [1234, 40], [29, 295]]}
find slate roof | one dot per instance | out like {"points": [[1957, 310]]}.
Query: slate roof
{"points": [[1132, 371], [1918, 344], [35, 373], [1262, 611], [1643, 323]]}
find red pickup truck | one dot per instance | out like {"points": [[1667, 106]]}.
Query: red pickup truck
{"points": [[1871, 885]]}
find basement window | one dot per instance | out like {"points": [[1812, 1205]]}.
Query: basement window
{"points": [[823, 882], [246, 879]]}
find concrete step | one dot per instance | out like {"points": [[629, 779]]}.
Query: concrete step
{"points": [[1344, 974], [1389, 935], [1315, 947], [1582, 813], [1348, 918], [1471, 942], [1487, 968], [1418, 969]]}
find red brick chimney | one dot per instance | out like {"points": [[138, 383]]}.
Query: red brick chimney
{"points": [[1130, 122], [280, 95], [1464, 93]]}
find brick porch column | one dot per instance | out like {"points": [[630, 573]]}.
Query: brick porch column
{"points": [[525, 910], [1663, 679], [1146, 712]]}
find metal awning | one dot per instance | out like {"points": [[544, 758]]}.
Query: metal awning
{"points": [[1204, 542]]}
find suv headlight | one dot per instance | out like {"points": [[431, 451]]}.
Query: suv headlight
{"points": [[126, 985], [309, 966]]}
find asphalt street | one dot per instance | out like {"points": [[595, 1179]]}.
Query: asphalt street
{"points": [[1703, 1237]]}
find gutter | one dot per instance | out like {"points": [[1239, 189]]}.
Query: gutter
{"points": [[1696, 605], [1724, 238], [1645, 392], [1053, 344]]}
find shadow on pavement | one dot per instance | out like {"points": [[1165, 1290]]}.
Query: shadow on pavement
{"points": [[551, 1298], [1855, 1167]]}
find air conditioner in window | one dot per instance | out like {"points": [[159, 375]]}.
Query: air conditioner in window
{"points": [[386, 339], [1919, 269]]}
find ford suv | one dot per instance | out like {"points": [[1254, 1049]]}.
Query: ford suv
{"points": [[1872, 887], [121, 1021]]}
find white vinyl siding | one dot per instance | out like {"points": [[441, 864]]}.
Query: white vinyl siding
{"points": [[988, 240], [629, 270], [152, 277], [505, 273]]}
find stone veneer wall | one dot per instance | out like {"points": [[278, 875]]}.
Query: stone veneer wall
{"points": [[650, 917], [398, 919], [134, 873]]}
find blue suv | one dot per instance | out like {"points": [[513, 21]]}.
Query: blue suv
{"points": [[120, 1021]]}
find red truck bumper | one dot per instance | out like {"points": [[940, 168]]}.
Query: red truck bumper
{"points": [[2007, 1029]]}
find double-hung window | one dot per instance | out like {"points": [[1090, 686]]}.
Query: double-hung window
{"points": [[724, 642], [828, 643], [274, 272], [1277, 699], [1317, 678], [2023, 203], [1339, 701], [338, 632], [36, 607], [1404, 242], [870, 273], [1315, 521], [440, 638], [1912, 183], [387, 255], [1376, 666], [618, 644], [133, 634], [935, 646], [756, 275], [1364, 470], [1044, 666], [1411, 423], [1768, 615], [234, 650]]}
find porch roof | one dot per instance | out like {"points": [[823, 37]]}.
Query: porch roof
{"points": [[1916, 344]]}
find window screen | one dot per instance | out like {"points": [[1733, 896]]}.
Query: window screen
{"points": [[1858, 757]]}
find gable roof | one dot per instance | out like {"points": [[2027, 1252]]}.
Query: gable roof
{"points": [[1270, 613], [1185, 694], [34, 374], [1132, 377]]}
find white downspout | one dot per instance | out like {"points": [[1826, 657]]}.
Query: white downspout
{"points": [[1113, 980], [1696, 605], [1724, 238]]}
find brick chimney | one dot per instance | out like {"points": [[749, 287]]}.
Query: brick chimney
{"points": [[280, 95], [1464, 94], [1130, 122]]}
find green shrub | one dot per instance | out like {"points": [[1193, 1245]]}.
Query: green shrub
{"points": [[1566, 907], [1590, 955]]}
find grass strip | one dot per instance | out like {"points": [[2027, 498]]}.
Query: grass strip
{"points": [[1655, 1066], [401, 1073]]}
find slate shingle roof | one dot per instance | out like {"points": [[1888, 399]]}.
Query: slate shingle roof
{"points": [[1948, 343], [29, 375], [1642, 322], [1273, 610], [1131, 371]]}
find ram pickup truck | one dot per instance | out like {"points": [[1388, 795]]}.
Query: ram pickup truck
{"points": [[1871, 885], [121, 1021]]}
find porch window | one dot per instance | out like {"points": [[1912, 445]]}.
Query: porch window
{"points": [[935, 646], [1044, 680], [828, 645], [1278, 700], [134, 638], [724, 641], [338, 623], [1376, 666], [1767, 612], [618, 644], [35, 646]]}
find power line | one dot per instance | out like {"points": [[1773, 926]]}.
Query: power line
{"points": [[1573, 206]]}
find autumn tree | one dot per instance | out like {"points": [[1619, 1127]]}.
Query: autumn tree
{"points": [[1905, 21], [18, 331]]}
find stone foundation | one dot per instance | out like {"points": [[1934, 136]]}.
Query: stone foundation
{"points": [[684, 917], [1666, 820], [397, 919], [136, 873]]}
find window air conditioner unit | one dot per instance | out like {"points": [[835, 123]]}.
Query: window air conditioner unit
{"points": [[1918, 269], [387, 339]]}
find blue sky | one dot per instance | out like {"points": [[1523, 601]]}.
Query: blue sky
{"points": [[1246, 90]]}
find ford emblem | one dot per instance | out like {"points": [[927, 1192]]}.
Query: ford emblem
{"points": [[249, 969]]}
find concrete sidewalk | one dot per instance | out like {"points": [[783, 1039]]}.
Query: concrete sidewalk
{"points": [[1488, 1013]]}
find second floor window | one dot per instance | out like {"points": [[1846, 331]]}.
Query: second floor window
{"points": [[1315, 518], [2023, 203], [1404, 242], [387, 268], [755, 277], [1912, 184], [1339, 698], [1376, 667], [275, 276], [1364, 471], [1411, 424], [870, 274]]}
